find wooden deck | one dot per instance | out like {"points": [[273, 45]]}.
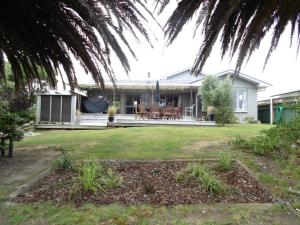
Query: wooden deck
{"points": [[98, 121]]}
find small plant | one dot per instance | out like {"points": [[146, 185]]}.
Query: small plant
{"points": [[224, 161], [111, 113], [239, 142], [204, 175], [250, 120], [95, 177], [111, 179], [208, 180], [64, 162], [89, 176], [181, 176]]}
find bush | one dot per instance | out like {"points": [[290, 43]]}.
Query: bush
{"points": [[250, 120], [224, 161], [9, 125], [276, 140], [218, 93]]}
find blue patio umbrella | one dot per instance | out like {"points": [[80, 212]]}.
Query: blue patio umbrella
{"points": [[157, 92]]}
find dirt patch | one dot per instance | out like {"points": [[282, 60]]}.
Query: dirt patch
{"points": [[152, 183], [26, 163], [205, 145]]}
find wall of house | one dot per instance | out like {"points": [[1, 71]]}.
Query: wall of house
{"points": [[251, 98]]}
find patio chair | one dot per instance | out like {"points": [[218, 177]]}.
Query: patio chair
{"points": [[155, 112], [177, 114], [189, 110], [168, 112], [142, 112]]}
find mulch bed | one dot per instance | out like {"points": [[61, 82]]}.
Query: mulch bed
{"points": [[150, 183]]}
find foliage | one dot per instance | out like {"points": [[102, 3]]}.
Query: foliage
{"points": [[242, 25], [95, 177], [20, 102], [239, 142], [207, 90], [218, 93], [111, 179], [89, 176], [46, 33], [224, 161], [204, 175], [111, 111], [9, 126], [65, 162], [250, 120], [277, 140], [210, 182]]}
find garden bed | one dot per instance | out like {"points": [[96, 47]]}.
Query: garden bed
{"points": [[150, 183]]}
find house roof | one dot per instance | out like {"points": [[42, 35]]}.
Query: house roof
{"points": [[261, 84], [295, 93], [141, 85], [181, 80]]}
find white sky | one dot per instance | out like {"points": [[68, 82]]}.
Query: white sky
{"points": [[282, 71]]}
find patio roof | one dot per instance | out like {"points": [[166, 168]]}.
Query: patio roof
{"points": [[142, 85]]}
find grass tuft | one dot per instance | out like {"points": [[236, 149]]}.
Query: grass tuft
{"points": [[204, 175], [224, 161]]}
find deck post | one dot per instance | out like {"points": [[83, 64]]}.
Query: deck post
{"points": [[271, 110], [196, 104]]}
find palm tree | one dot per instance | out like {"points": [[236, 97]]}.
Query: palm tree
{"points": [[39, 35], [242, 24]]}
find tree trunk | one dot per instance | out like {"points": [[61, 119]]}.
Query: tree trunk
{"points": [[10, 148], [2, 147]]}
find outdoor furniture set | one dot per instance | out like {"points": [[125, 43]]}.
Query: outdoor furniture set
{"points": [[156, 112]]}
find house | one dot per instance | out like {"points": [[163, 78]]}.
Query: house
{"points": [[178, 89], [272, 110]]}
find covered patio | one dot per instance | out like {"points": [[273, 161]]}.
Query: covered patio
{"points": [[129, 96]]}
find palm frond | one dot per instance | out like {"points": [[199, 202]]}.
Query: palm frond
{"points": [[42, 34], [241, 24]]}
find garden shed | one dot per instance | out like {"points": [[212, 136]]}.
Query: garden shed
{"points": [[56, 108]]}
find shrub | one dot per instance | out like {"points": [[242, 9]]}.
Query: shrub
{"points": [[224, 161], [239, 142], [276, 140], [218, 93], [10, 130], [250, 120]]}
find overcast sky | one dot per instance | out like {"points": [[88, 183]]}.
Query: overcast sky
{"points": [[282, 71]]}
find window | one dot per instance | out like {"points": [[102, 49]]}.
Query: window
{"points": [[240, 100]]}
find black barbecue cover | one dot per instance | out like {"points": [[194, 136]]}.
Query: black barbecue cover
{"points": [[96, 104]]}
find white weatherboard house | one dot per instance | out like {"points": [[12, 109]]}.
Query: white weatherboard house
{"points": [[179, 89]]}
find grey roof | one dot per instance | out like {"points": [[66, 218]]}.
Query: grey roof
{"points": [[182, 80]]}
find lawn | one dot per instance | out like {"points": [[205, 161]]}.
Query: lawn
{"points": [[140, 143], [148, 144]]}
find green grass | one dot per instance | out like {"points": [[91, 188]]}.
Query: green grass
{"points": [[203, 214], [149, 143], [138, 143]]}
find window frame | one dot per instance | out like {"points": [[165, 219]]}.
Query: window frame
{"points": [[236, 103]]}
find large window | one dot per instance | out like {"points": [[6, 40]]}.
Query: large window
{"points": [[240, 100]]}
